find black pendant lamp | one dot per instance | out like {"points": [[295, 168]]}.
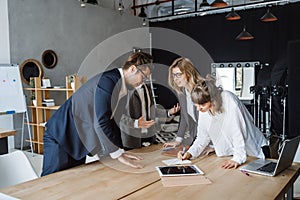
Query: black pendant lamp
{"points": [[219, 4], [244, 35], [204, 4], [232, 15], [142, 13], [268, 17]]}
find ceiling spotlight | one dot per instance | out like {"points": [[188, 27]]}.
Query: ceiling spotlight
{"points": [[82, 4], [144, 22], [121, 7], [244, 35], [219, 4], [268, 17], [232, 15]]}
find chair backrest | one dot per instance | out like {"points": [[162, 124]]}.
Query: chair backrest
{"points": [[15, 168]]}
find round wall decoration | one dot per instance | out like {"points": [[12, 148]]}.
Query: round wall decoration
{"points": [[49, 59], [30, 68]]}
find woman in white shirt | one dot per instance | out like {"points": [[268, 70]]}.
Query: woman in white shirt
{"points": [[225, 122]]}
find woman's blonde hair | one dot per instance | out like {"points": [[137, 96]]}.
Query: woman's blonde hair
{"points": [[186, 67], [207, 91]]}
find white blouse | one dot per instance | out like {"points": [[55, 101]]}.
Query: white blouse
{"points": [[232, 132]]}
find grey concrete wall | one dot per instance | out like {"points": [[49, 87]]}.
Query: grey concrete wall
{"points": [[63, 26]]}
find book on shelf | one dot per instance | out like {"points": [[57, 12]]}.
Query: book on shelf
{"points": [[48, 102]]}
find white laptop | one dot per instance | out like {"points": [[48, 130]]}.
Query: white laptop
{"points": [[271, 167]]}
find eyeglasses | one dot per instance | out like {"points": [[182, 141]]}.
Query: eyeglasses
{"points": [[177, 75], [145, 78]]}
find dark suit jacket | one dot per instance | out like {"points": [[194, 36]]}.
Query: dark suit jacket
{"points": [[84, 123], [133, 137]]}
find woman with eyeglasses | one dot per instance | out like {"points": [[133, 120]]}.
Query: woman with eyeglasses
{"points": [[226, 122], [183, 76]]}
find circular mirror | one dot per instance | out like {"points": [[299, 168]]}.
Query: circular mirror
{"points": [[49, 59], [30, 68]]}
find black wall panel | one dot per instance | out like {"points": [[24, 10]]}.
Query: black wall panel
{"points": [[294, 88]]}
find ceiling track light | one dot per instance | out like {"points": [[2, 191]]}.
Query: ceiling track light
{"points": [[244, 35], [268, 17], [121, 7], [232, 15], [219, 4], [82, 4], [144, 22]]}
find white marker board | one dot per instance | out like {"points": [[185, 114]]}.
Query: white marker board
{"points": [[11, 91]]}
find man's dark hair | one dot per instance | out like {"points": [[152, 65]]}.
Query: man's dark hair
{"points": [[138, 59]]}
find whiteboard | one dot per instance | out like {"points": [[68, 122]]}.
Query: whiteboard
{"points": [[12, 98]]}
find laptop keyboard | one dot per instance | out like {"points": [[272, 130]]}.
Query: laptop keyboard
{"points": [[270, 167]]}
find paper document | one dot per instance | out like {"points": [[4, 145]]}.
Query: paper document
{"points": [[176, 161]]}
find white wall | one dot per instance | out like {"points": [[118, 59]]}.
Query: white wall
{"points": [[6, 121]]}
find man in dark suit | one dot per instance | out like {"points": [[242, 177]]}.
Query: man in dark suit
{"points": [[87, 123]]}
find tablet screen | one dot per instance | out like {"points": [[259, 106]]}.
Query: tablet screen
{"points": [[179, 170]]}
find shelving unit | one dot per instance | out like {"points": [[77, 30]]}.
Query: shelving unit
{"points": [[41, 114]]}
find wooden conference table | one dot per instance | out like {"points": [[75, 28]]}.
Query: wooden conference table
{"points": [[112, 180]]}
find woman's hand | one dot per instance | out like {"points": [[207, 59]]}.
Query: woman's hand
{"points": [[128, 159], [184, 156], [230, 164], [171, 144], [175, 109]]}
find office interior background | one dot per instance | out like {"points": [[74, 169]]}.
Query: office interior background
{"points": [[82, 39]]}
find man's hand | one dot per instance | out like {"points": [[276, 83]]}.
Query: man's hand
{"points": [[230, 164], [142, 123], [128, 159]]}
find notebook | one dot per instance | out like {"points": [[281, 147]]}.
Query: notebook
{"points": [[271, 167]]}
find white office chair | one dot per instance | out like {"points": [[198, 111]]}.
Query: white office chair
{"points": [[15, 168]]}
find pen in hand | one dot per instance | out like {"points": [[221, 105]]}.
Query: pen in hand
{"points": [[183, 152]]}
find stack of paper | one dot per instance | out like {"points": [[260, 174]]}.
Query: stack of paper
{"points": [[176, 161], [48, 102]]}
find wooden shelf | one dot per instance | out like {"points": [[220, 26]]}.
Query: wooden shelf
{"points": [[45, 107], [41, 114], [49, 89], [34, 141], [34, 124]]}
